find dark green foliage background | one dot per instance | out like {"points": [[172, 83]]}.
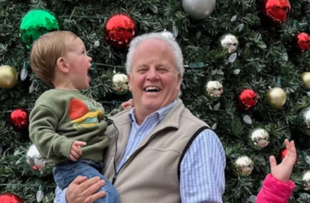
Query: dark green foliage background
{"points": [[260, 60]]}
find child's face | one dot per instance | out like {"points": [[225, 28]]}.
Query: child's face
{"points": [[78, 64]]}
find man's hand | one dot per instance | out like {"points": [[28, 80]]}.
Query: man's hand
{"points": [[81, 190], [284, 169], [75, 151]]}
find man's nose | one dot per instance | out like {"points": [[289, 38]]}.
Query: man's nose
{"points": [[152, 74]]}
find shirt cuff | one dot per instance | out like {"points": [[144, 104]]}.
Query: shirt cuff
{"points": [[60, 195]]}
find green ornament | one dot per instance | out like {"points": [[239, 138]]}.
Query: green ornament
{"points": [[36, 23]]}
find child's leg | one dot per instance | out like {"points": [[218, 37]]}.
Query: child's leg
{"points": [[64, 174]]}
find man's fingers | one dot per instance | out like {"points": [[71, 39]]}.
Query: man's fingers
{"points": [[80, 179], [95, 197]]}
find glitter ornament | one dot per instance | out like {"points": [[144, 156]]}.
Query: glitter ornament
{"points": [[229, 42], [260, 138], [8, 77], [243, 166], [119, 30], [10, 198], [214, 89], [306, 180], [36, 23], [275, 12], [198, 9], [120, 83], [19, 119], [301, 41], [34, 159], [276, 98], [247, 99], [306, 79]]}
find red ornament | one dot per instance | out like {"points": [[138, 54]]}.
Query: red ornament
{"points": [[275, 11], [20, 119], [283, 153], [10, 198], [119, 30], [247, 99], [302, 41]]}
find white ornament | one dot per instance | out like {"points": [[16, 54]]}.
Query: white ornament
{"points": [[260, 137], [214, 89], [120, 83], [306, 180], [229, 42], [244, 166]]}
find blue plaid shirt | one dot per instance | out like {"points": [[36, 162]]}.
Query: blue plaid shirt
{"points": [[202, 178]]}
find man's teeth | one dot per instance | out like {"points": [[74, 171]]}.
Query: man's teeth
{"points": [[151, 89]]}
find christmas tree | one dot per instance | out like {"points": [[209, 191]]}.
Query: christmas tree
{"points": [[246, 76]]}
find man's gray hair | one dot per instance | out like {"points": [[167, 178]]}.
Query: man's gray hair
{"points": [[172, 44]]}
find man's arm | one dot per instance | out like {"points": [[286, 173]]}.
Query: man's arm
{"points": [[202, 169], [81, 190]]}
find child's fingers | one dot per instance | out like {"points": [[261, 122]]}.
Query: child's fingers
{"points": [[74, 154], [72, 158], [272, 161], [79, 143]]}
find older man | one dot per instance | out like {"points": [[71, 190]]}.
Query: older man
{"points": [[159, 151]]}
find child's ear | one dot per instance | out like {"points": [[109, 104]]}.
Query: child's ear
{"points": [[62, 65]]}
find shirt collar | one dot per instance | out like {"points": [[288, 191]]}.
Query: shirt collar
{"points": [[161, 113]]}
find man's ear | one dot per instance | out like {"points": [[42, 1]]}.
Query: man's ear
{"points": [[129, 81], [62, 65]]}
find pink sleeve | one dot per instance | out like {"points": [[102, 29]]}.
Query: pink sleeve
{"points": [[275, 191]]}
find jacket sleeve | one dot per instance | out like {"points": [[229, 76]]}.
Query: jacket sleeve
{"points": [[275, 191]]}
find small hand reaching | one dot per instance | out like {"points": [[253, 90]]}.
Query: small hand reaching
{"points": [[127, 104], [75, 151], [283, 171]]}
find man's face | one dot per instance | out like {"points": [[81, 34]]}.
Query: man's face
{"points": [[154, 80]]}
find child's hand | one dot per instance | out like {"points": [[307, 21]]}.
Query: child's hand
{"points": [[284, 169], [75, 151], [127, 104]]}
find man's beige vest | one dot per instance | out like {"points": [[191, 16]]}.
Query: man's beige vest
{"points": [[151, 174]]}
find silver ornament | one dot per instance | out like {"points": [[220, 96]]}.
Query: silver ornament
{"points": [[214, 89], [260, 138], [120, 83], [229, 42], [244, 166], [34, 158], [198, 9], [306, 180]]}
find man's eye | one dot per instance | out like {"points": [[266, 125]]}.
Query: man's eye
{"points": [[163, 70]]}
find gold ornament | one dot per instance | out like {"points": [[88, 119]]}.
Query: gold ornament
{"points": [[306, 79], [276, 98], [120, 83], [214, 89], [306, 180], [8, 77], [260, 138], [244, 166]]}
